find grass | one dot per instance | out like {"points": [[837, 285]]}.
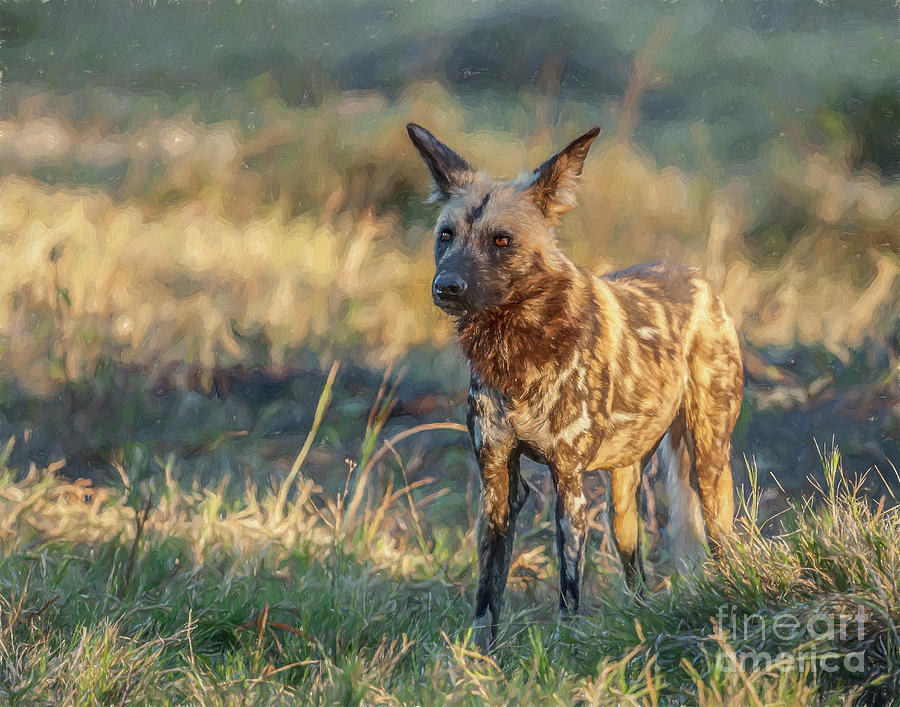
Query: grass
{"points": [[289, 594]]}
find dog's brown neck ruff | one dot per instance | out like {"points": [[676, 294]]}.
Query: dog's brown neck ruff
{"points": [[536, 329]]}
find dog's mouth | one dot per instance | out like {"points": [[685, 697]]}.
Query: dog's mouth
{"points": [[453, 307], [474, 304]]}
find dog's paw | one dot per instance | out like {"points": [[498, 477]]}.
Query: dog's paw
{"points": [[482, 632]]}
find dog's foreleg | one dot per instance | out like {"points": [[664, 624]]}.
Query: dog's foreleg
{"points": [[571, 534], [503, 495]]}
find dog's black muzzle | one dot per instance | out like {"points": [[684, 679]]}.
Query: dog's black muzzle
{"points": [[448, 290]]}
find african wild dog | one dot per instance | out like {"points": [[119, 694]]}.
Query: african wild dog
{"points": [[573, 370]]}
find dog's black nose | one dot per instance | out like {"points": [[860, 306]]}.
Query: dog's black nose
{"points": [[448, 285]]}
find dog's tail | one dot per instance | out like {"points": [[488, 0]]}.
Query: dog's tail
{"points": [[684, 527]]}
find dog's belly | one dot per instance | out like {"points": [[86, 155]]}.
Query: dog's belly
{"points": [[578, 437], [627, 432], [627, 439]]}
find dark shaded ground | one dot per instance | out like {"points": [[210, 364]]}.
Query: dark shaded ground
{"points": [[250, 427]]}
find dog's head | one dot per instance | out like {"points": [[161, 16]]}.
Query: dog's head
{"points": [[491, 237]]}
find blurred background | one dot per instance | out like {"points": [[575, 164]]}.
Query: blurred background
{"points": [[203, 205]]}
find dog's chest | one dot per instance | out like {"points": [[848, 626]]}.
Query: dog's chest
{"points": [[555, 411]]}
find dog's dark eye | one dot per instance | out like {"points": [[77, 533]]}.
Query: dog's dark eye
{"points": [[501, 240], [446, 234]]}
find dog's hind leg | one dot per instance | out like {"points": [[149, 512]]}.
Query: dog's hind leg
{"points": [[712, 404], [625, 488], [712, 455]]}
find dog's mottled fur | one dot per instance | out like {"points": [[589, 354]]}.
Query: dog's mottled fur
{"points": [[574, 370]]}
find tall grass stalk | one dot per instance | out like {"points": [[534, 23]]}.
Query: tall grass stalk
{"points": [[362, 479], [321, 407]]}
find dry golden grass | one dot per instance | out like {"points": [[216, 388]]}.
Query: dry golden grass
{"points": [[222, 246]]}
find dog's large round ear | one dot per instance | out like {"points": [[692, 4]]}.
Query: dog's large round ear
{"points": [[448, 170], [554, 184]]}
